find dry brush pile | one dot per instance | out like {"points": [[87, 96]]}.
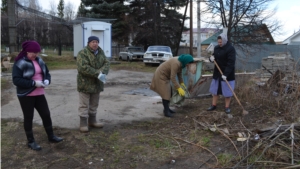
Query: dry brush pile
{"points": [[269, 136], [276, 144]]}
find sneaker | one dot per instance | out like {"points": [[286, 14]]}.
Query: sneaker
{"points": [[211, 108]]}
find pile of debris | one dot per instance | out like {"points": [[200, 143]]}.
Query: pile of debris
{"points": [[280, 73], [278, 61]]}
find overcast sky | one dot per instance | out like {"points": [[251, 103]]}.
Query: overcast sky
{"points": [[288, 12]]}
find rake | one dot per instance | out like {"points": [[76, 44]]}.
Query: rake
{"points": [[244, 111]]}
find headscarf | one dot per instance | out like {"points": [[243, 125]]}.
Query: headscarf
{"points": [[224, 39], [28, 46], [185, 59]]}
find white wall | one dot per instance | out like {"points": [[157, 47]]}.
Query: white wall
{"points": [[296, 38], [93, 28], [77, 39]]}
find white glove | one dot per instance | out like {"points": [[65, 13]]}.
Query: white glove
{"points": [[224, 77], [39, 84], [212, 58], [102, 77], [46, 82]]}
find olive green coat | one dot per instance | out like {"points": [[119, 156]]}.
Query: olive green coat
{"points": [[164, 73], [89, 67]]}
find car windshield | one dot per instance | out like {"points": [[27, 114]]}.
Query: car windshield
{"points": [[136, 50], [159, 48]]}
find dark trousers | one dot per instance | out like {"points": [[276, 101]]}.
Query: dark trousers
{"points": [[28, 103]]}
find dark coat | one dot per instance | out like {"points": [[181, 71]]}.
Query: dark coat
{"points": [[225, 58], [23, 71]]}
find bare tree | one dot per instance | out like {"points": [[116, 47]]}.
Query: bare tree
{"points": [[53, 7], [69, 11], [33, 25], [34, 4], [250, 26], [24, 2], [245, 19]]}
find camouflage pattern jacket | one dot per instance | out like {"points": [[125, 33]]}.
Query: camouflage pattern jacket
{"points": [[89, 67]]}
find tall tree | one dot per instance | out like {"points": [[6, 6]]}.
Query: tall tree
{"points": [[69, 11], [156, 22], [53, 8], [245, 19], [81, 10], [34, 4], [60, 8], [4, 6], [109, 9]]}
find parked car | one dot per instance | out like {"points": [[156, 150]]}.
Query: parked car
{"points": [[132, 53], [157, 54]]}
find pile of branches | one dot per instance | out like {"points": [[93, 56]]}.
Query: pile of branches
{"points": [[283, 139], [274, 147], [277, 95]]}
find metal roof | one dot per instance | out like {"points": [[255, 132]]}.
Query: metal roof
{"points": [[212, 39]]}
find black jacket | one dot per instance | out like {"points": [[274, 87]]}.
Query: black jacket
{"points": [[23, 71], [225, 58]]}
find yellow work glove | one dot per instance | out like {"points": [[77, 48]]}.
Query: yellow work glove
{"points": [[181, 91], [182, 85]]}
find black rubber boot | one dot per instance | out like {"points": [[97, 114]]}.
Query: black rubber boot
{"points": [[51, 137], [31, 142], [211, 108], [167, 112], [172, 111]]}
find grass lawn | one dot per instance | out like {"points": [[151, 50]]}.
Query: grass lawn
{"points": [[67, 61]]}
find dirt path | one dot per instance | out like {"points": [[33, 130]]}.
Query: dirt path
{"points": [[126, 98]]}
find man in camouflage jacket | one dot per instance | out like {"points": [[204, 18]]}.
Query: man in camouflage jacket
{"points": [[91, 60]]}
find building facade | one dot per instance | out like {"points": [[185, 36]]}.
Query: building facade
{"points": [[205, 33]]}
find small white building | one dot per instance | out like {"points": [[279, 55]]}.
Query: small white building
{"points": [[293, 40], [92, 28]]}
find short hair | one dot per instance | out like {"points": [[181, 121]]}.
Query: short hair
{"points": [[219, 37]]}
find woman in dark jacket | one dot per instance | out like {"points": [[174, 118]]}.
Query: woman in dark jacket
{"points": [[31, 76], [224, 55]]}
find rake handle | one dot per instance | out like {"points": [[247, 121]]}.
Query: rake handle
{"points": [[229, 85]]}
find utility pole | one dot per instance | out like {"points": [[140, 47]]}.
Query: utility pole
{"points": [[187, 4], [155, 24], [11, 10], [191, 27], [198, 30]]}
